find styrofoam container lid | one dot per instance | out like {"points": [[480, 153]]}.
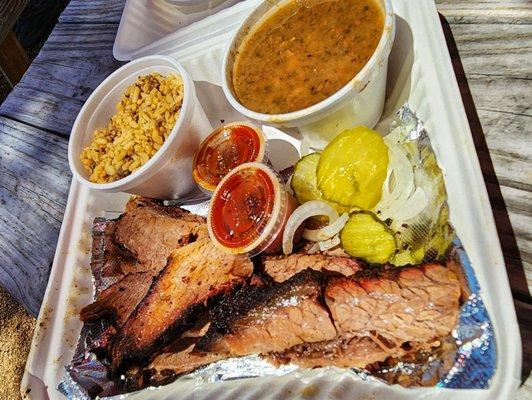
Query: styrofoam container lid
{"points": [[200, 4]]}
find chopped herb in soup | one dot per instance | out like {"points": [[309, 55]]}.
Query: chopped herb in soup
{"points": [[304, 52]]}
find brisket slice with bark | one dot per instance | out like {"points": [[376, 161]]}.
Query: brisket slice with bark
{"points": [[420, 304], [151, 231], [194, 274], [281, 267], [266, 318], [119, 300], [122, 280], [257, 319]]}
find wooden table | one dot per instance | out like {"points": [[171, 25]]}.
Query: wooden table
{"points": [[495, 44]]}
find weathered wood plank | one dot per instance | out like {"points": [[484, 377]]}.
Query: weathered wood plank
{"points": [[93, 11], [494, 52], [70, 65], [497, 12], [34, 182], [507, 136]]}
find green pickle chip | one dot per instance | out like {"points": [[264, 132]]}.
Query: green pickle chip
{"points": [[366, 237]]}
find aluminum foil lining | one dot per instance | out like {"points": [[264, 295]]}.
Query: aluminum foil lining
{"points": [[471, 365]]}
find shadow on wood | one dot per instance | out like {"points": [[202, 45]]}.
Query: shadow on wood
{"points": [[512, 259], [13, 59]]}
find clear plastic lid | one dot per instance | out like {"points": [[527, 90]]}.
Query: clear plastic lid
{"points": [[224, 149], [249, 210]]}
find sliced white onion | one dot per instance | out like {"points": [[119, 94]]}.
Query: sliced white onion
{"points": [[314, 248], [327, 232], [413, 206], [330, 243], [309, 209], [399, 184]]}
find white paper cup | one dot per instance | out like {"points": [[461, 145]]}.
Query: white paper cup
{"points": [[168, 174], [360, 102]]}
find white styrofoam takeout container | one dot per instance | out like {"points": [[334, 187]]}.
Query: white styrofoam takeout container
{"points": [[359, 102], [420, 73], [195, 6], [168, 174], [144, 22]]}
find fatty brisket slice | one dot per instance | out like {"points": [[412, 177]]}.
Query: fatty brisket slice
{"points": [[282, 267], [194, 274], [151, 231], [378, 318], [119, 300], [259, 318], [266, 318]]}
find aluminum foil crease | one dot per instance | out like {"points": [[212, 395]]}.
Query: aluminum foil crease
{"points": [[470, 365]]}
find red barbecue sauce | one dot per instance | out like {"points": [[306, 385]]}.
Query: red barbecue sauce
{"points": [[242, 208], [224, 149]]}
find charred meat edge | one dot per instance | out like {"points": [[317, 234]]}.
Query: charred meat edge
{"points": [[119, 300], [254, 297], [258, 295], [124, 347]]}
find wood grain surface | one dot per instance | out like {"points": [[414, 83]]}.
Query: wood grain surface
{"points": [[491, 47]]}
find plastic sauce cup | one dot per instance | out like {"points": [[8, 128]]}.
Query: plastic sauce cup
{"points": [[249, 210], [224, 149]]}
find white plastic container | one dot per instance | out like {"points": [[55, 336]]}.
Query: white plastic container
{"points": [[360, 102], [146, 25], [194, 6], [168, 174]]}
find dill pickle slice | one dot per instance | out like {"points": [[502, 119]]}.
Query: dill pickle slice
{"points": [[353, 167], [304, 179], [365, 237], [304, 182]]}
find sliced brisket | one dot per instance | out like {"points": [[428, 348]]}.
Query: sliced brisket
{"points": [[194, 274], [419, 305], [257, 319], [282, 268], [151, 231], [262, 319], [118, 300]]}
